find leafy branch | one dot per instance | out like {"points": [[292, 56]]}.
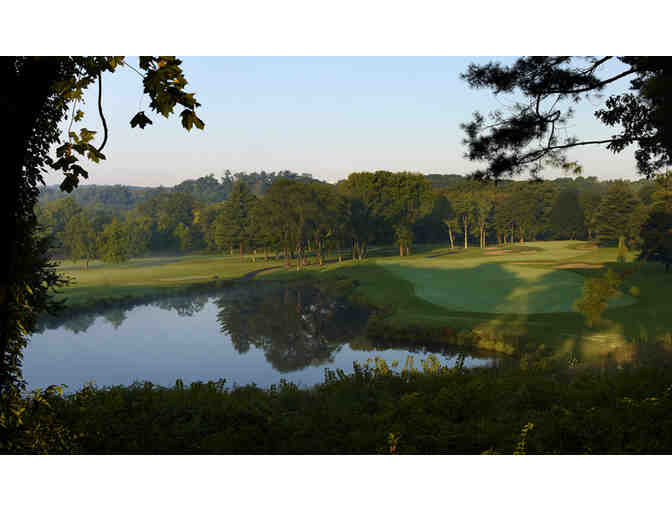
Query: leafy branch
{"points": [[163, 81]]}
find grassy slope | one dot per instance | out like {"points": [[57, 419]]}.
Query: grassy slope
{"points": [[140, 277]]}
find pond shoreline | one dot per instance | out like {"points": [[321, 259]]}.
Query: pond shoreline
{"points": [[378, 331]]}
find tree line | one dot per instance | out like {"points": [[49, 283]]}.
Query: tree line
{"points": [[292, 218]]}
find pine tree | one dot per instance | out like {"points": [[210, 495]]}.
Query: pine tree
{"points": [[656, 234], [567, 217], [524, 212], [613, 218], [465, 210], [661, 198], [232, 226], [590, 202], [484, 200]]}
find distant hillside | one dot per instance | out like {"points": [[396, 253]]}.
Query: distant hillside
{"points": [[119, 198], [114, 198], [208, 189], [441, 180]]}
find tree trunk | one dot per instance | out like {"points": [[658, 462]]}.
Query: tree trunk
{"points": [[401, 249], [22, 99], [408, 250], [450, 235], [466, 235]]}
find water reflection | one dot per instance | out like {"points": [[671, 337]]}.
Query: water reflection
{"points": [[116, 317], [255, 332], [185, 306], [80, 321], [295, 327]]}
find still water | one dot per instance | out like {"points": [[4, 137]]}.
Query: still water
{"points": [[255, 333]]}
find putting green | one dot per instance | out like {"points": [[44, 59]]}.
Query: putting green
{"points": [[478, 286]]}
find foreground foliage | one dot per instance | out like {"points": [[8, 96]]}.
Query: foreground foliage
{"points": [[38, 92], [532, 133], [533, 408]]}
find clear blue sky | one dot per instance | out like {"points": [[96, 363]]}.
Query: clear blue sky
{"points": [[327, 116]]}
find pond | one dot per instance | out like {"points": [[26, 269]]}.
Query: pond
{"points": [[254, 333]]}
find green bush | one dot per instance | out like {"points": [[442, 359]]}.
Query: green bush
{"points": [[377, 408]]}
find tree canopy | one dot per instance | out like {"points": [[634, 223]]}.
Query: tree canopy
{"points": [[532, 134], [656, 236]]}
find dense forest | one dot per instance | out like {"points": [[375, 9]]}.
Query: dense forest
{"points": [[288, 215]]}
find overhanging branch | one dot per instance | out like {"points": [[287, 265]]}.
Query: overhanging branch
{"points": [[100, 110], [592, 87]]}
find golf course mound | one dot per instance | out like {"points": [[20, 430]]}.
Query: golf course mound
{"points": [[497, 288]]}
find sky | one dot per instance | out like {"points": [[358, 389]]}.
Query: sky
{"points": [[328, 116]]}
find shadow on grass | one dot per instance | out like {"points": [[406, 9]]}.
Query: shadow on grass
{"points": [[535, 304]]}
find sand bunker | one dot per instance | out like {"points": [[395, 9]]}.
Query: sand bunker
{"points": [[579, 266]]}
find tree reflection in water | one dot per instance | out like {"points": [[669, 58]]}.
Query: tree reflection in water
{"points": [[185, 306], [80, 321], [295, 327]]}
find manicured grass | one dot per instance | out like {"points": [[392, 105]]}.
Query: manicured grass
{"points": [[140, 277], [478, 281]]}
